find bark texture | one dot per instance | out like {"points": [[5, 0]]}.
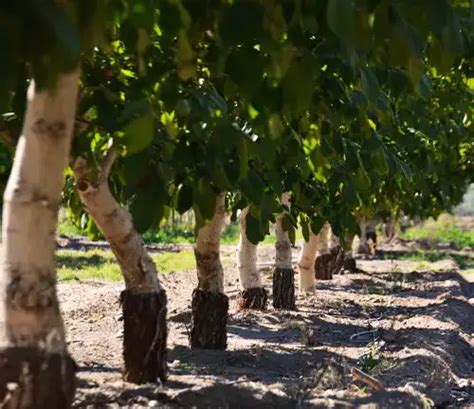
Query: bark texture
{"points": [[31, 378], [144, 300], [31, 327], [253, 298], [329, 264], [145, 333], [284, 288], [283, 275], [207, 251], [253, 295], [209, 305], [368, 237], [209, 314]]}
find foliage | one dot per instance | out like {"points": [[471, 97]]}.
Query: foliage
{"points": [[347, 105]]}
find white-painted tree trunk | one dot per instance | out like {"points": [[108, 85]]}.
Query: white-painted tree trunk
{"points": [[207, 250], [283, 254], [363, 245], [247, 257], [317, 244], [115, 222], [29, 309]]}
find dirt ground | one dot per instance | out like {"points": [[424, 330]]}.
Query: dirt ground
{"points": [[411, 330]]}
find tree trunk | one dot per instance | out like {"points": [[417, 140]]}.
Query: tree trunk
{"points": [[330, 257], [283, 275], [349, 262], [306, 260], [252, 295], [144, 299], [210, 305], [368, 237], [35, 368]]}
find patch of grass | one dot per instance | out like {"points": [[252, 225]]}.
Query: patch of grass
{"points": [[370, 359], [83, 265], [423, 255], [66, 228], [445, 229], [101, 264]]}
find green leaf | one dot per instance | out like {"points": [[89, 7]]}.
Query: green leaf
{"points": [[143, 207], [305, 230], [317, 223], [253, 229], [139, 133], [340, 17], [370, 85], [185, 199], [205, 199]]}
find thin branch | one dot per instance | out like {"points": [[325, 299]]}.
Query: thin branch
{"points": [[375, 384], [107, 162]]}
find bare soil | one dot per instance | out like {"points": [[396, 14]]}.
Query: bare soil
{"points": [[410, 330]]}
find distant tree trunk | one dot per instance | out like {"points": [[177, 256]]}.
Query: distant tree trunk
{"points": [[253, 295], [210, 305], [306, 260], [330, 258], [389, 229], [283, 275], [144, 299], [368, 237], [35, 368], [349, 262]]}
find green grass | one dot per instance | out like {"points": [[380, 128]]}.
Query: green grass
{"points": [[445, 229], [101, 264]]}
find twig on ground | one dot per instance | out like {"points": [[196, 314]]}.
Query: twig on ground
{"points": [[375, 384]]}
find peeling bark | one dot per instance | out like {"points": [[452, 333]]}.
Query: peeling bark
{"points": [[253, 295], [209, 303], [33, 351], [144, 300], [283, 275]]}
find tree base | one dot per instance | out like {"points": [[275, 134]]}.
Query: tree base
{"points": [[209, 313], [284, 288], [253, 298], [144, 338], [329, 264], [350, 264], [32, 378]]}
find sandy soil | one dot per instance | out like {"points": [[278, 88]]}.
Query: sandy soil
{"points": [[413, 327]]}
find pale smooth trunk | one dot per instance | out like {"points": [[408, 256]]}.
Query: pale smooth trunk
{"points": [[144, 300], [247, 257], [207, 251], [29, 310], [35, 368], [317, 244], [116, 224]]}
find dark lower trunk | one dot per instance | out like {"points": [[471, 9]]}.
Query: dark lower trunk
{"points": [[209, 313], [350, 264], [329, 264], [35, 379], [371, 235], [253, 298], [144, 338], [284, 288]]}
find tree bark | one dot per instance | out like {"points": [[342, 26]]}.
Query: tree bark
{"points": [[210, 305], [252, 295], [368, 237], [33, 354], [283, 275], [349, 262], [144, 299]]}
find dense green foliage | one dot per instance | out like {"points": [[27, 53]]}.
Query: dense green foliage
{"points": [[355, 107]]}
